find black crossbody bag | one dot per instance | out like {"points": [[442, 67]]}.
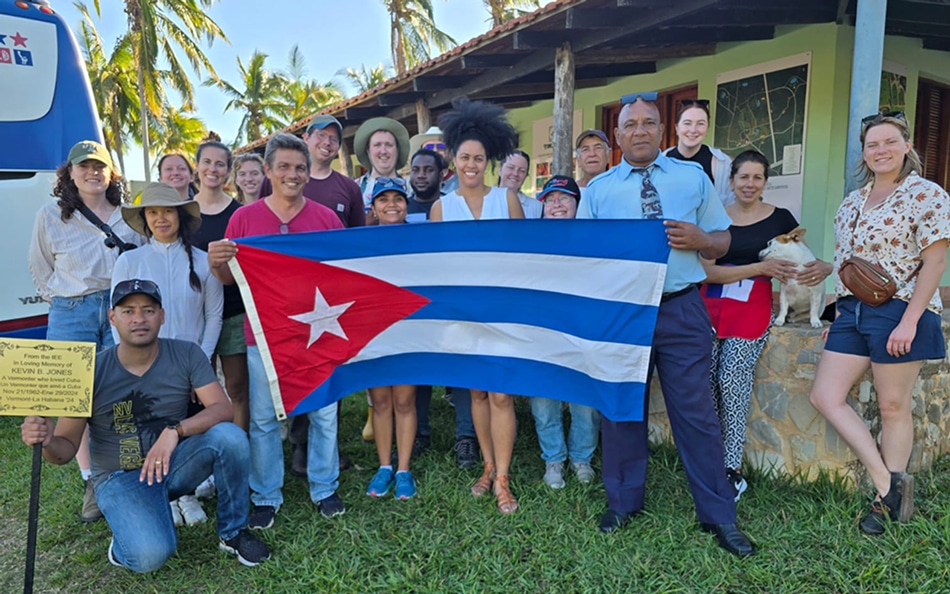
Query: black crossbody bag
{"points": [[112, 239]]}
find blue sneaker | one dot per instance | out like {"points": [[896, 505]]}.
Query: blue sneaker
{"points": [[381, 484], [405, 485]]}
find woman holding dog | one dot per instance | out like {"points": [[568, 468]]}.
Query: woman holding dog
{"points": [[738, 295], [898, 221]]}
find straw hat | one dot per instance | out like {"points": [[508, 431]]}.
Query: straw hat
{"points": [[366, 130], [159, 194]]}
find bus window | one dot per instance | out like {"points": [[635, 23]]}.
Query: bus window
{"points": [[47, 107]]}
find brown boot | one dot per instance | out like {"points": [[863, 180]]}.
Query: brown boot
{"points": [[90, 508]]}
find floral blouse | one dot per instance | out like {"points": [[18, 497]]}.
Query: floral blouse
{"points": [[894, 233]]}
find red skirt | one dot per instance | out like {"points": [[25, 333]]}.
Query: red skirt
{"points": [[736, 318]]}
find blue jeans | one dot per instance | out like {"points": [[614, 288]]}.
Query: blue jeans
{"points": [[549, 423], [143, 532], [83, 319], [461, 400], [267, 451]]}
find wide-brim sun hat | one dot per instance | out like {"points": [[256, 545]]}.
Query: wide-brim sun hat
{"points": [[433, 134], [159, 194], [365, 132]]}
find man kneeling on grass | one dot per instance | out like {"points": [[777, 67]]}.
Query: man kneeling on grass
{"points": [[144, 452]]}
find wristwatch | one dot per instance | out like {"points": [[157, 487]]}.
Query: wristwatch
{"points": [[176, 427]]}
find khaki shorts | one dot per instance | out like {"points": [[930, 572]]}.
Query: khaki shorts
{"points": [[231, 341]]}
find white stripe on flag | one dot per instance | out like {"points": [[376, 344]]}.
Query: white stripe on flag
{"points": [[612, 280], [604, 361]]}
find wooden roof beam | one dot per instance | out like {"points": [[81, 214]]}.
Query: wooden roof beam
{"points": [[481, 61]]}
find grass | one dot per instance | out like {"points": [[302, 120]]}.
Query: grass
{"points": [[447, 541]]}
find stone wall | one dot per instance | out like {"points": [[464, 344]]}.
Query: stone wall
{"points": [[787, 435]]}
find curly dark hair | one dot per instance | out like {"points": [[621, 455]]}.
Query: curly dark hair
{"points": [[69, 200], [186, 236], [482, 122]]}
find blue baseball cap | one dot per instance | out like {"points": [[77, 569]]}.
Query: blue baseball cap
{"points": [[560, 183], [386, 184]]}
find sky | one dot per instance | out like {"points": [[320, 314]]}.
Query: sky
{"points": [[332, 34]]}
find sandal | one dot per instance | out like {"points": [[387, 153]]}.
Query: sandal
{"points": [[506, 501], [484, 483]]}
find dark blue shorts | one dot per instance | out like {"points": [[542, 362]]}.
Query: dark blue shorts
{"points": [[862, 329]]}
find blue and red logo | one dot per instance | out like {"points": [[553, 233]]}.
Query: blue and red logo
{"points": [[17, 53]]}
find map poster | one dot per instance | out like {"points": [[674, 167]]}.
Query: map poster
{"points": [[542, 149], [50, 378], [764, 107]]}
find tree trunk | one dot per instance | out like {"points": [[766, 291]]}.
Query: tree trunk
{"points": [[143, 113], [562, 138]]}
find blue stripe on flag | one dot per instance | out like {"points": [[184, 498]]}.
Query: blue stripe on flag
{"points": [[643, 240], [617, 401], [592, 319]]}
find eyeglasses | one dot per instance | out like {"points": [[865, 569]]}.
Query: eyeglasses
{"points": [[632, 97], [557, 198], [686, 103], [881, 115], [396, 181], [587, 149], [434, 146], [326, 136]]}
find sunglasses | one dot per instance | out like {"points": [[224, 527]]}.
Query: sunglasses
{"points": [[138, 285], [695, 103], [434, 146], [396, 181], [632, 97], [881, 115]]}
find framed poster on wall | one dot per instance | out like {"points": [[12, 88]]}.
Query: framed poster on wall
{"points": [[764, 107]]}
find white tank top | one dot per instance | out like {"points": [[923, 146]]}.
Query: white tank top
{"points": [[495, 206]]}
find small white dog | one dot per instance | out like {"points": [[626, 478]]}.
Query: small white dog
{"points": [[791, 247]]}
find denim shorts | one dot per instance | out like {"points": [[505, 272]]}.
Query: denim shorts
{"points": [[82, 319], [232, 341], [861, 329]]}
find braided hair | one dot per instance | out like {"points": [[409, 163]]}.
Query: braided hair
{"points": [[187, 241], [483, 122]]}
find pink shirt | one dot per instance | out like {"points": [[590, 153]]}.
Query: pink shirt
{"points": [[258, 219]]}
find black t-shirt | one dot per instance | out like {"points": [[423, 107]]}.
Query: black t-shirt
{"points": [[212, 229], [417, 206], [704, 157], [749, 240]]}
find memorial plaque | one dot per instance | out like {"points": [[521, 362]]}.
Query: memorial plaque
{"points": [[50, 378]]}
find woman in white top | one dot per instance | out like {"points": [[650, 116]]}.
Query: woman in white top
{"points": [[71, 261], [477, 133], [514, 170], [193, 298]]}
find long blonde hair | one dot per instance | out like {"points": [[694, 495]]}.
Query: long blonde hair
{"points": [[241, 160], [911, 159]]}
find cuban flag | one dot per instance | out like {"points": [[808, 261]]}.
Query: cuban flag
{"points": [[559, 309]]}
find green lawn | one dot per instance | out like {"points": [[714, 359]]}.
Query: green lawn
{"points": [[446, 541]]}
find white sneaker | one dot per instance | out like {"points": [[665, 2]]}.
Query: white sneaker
{"points": [[554, 475], [206, 489], [176, 514], [191, 510], [585, 473]]}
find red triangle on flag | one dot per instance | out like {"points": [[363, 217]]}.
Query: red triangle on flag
{"points": [[363, 306]]}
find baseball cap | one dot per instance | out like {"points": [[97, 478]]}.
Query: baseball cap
{"points": [[319, 122], [591, 132], [560, 183], [89, 149], [385, 184], [135, 287]]}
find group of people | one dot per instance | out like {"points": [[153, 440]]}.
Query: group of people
{"points": [[162, 280]]}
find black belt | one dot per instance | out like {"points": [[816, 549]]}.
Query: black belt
{"points": [[674, 294]]}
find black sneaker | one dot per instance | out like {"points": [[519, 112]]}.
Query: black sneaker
{"points": [[262, 517], [739, 485], [331, 506], [420, 445], [874, 522], [466, 452], [249, 549]]}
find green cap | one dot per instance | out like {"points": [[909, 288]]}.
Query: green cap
{"points": [[89, 149]]}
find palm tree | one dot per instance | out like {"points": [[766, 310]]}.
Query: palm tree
{"points": [[178, 131], [304, 96], [113, 81], [364, 79], [413, 32], [261, 100], [503, 11], [156, 33]]}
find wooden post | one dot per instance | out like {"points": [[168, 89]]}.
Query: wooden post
{"points": [[423, 116], [345, 160], [562, 138]]}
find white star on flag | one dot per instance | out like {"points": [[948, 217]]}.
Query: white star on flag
{"points": [[323, 318]]}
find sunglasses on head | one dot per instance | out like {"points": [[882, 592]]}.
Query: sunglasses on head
{"points": [[632, 97], [434, 146], [695, 103], [881, 115], [396, 181]]}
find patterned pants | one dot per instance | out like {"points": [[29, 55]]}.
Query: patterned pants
{"points": [[731, 374]]}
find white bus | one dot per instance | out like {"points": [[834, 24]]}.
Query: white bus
{"points": [[46, 107]]}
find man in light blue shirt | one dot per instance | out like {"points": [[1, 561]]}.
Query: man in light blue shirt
{"points": [[697, 224]]}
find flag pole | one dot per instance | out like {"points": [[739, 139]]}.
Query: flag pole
{"points": [[33, 517]]}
